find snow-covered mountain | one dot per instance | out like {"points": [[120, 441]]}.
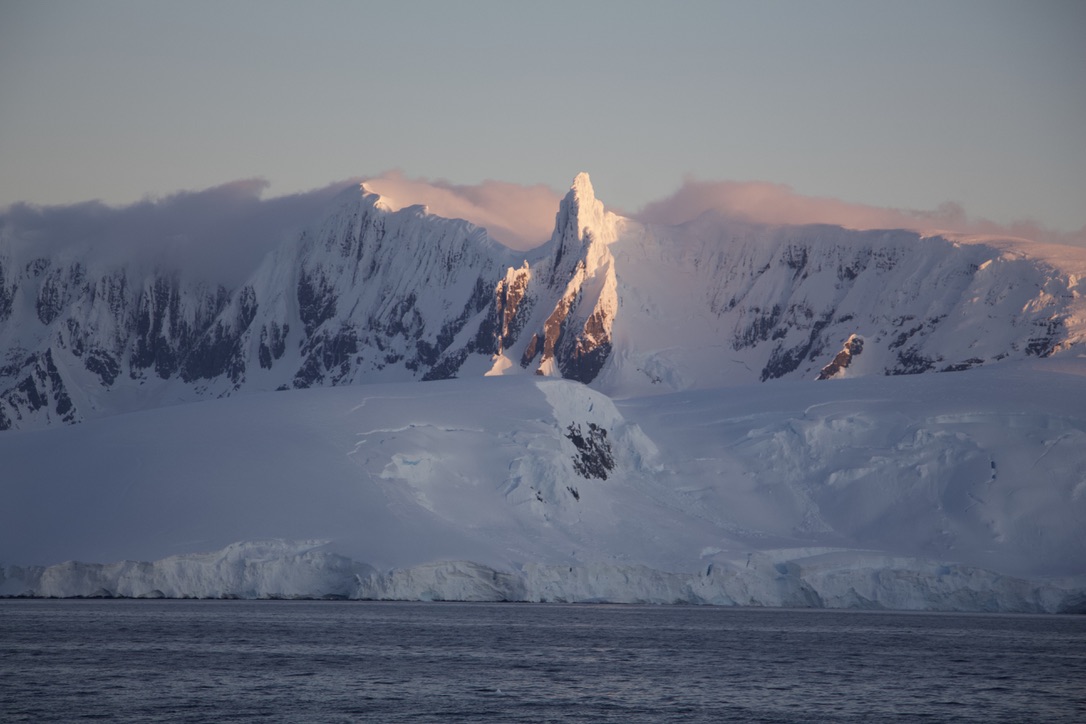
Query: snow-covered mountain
{"points": [[367, 294], [694, 450]]}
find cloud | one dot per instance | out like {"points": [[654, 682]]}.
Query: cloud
{"points": [[521, 217], [770, 203], [220, 233]]}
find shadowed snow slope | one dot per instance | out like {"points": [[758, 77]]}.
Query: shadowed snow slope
{"points": [[962, 491]]}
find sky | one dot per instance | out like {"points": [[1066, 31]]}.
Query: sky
{"points": [[968, 110]]}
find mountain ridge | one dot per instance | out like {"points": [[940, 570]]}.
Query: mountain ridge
{"points": [[369, 294]]}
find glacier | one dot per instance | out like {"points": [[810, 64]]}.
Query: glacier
{"points": [[962, 491], [392, 405], [804, 579]]}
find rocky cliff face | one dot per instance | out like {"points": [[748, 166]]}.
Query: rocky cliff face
{"points": [[574, 295], [382, 295], [76, 332], [370, 294]]}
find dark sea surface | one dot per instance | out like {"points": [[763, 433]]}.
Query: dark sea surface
{"points": [[337, 661]]}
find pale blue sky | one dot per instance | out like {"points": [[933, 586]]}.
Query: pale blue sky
{"points": [[900, 104]]}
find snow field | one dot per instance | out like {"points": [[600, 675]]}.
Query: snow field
{"points": [[955, 491]]}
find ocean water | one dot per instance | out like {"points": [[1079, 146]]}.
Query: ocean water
{"points": [[341, 661]]}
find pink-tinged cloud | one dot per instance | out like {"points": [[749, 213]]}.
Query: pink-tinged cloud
{"points": [[769, 203], [222, 232], [521, 217]]}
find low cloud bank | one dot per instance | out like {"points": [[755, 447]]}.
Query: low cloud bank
{"points": [[770, 203], [223, 232], [220, 233], [521, 217]]}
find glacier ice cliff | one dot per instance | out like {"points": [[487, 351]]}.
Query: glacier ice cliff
{"points": [[786, 578]]}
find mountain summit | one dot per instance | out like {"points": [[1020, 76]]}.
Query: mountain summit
{"points": [[582, 224]]}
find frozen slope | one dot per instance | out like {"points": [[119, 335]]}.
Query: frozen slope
{"points": [[987, 467], [962, 491], [393, 474]]}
